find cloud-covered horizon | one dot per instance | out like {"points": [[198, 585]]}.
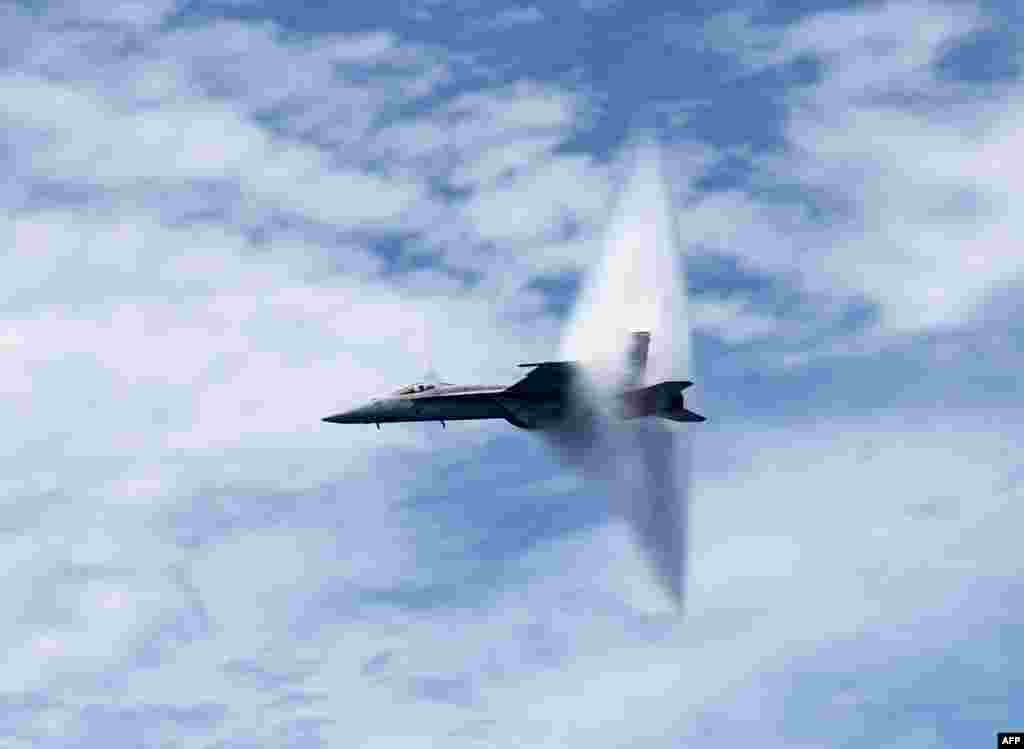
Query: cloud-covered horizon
{"points": [[227, 220]]}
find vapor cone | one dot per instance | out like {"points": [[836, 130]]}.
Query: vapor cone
{"points": [[638, 284]]}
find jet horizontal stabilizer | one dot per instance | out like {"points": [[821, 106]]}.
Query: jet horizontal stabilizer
{"points": [[683, 414], [664, 399]]}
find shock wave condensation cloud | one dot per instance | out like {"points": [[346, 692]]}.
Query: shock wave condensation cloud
{"points": [[638, 284]]}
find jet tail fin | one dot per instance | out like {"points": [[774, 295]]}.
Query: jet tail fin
{"points": [[636, 358]]}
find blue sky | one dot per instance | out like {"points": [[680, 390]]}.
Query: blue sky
{"points": [[226, 220]]}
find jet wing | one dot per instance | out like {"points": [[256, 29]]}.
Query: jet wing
{"points": [[547, 378]]}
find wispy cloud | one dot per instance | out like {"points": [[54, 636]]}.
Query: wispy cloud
{"points": [[902, 178]]}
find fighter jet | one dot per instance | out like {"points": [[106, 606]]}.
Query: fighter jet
{"points": [[543, 399]]}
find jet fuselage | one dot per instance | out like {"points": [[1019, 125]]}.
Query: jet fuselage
{"points": [[440, 403], [546, 397]]}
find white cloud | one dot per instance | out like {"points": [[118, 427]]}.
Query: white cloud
{"points": [[862, 38], [524, 14], [916, 172], [260, 351], [538, 205], [504, 159], [131, 13], [200, 140], [285, 570], [524, 199], [154, 362], [578, 635], [731, 320], [525, 118], [521, 106]]}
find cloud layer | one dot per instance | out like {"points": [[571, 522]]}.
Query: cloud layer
{"points": [[220, 229]]}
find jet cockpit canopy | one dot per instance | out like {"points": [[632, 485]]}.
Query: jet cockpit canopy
{"points": [[418, 387]]}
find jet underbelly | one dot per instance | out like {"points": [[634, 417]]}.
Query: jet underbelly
{"points": [[456, 408], [533, 414]]}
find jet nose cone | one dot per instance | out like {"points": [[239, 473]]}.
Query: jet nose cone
{"points": [[360, 415], [349, 417]]}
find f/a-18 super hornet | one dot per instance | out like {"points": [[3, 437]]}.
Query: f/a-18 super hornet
{"points": [[543, 399]]}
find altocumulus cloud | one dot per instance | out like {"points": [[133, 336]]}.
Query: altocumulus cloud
{"points": [[907, 188], [218, 230]]}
